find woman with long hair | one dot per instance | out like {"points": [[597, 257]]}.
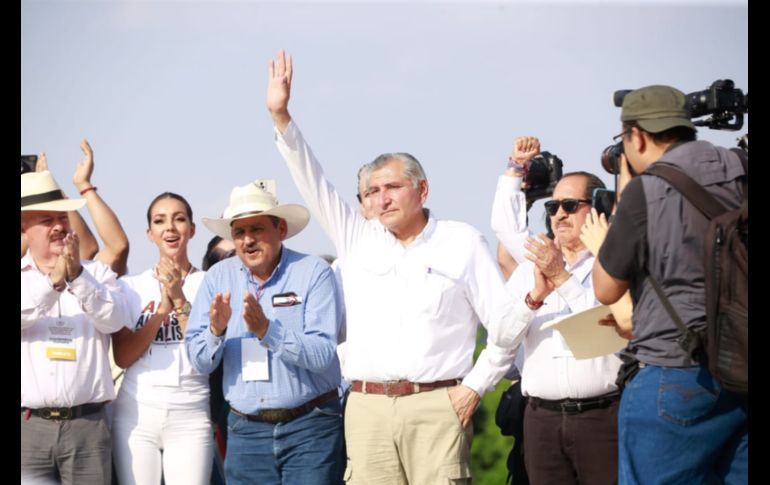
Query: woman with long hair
{"points": [[162, 425]]}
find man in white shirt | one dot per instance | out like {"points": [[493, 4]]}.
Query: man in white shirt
{"points": [[68, 309], [416, 290], [570, 423]]}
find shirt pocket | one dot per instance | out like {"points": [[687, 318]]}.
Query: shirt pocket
{"points": [[432, 290]]}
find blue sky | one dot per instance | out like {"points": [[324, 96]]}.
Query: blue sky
{"points": [[171, 94]]}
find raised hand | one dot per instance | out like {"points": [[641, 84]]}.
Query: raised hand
{"points": [[524, 149], [59, 271], [82, 177], [42, 163], [169, 274], [543, 286], [71, 255], [220, 313], [593, 231], [279, 89], [253, 316], [547, 256], [624, 176]]}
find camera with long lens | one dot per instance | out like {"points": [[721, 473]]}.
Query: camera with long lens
{"points": [[543, 173], [611, 158], [721, 100]]}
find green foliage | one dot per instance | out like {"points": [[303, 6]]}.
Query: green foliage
{"points": [[490, 449]]}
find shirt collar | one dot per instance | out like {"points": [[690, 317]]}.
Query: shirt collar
{"points": [[428, 230], [27, 262], [277, 271], [581, 257]]}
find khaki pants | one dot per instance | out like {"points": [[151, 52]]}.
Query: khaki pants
{"points": [[413, 439]]}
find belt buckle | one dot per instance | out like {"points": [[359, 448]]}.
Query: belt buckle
{"points": [[570, 407], [273, 415], [56, 413], [387, 385]]}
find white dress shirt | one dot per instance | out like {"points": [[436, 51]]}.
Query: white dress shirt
{"points": [[549, 370], [82, 316], [509, 216], [412, 312]]}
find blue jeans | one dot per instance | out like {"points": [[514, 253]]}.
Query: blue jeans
{"points": [[306, 450], [677, 425]]}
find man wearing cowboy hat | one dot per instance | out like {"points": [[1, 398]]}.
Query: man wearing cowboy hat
{"points": [[272, 315], [68, 309], [416, 289]]}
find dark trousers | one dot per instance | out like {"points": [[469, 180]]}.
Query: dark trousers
{"points": [[77, 451], [579, 448]]}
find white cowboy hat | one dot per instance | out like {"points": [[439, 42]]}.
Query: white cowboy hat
{"points": [[40, 192], [257, 198]]}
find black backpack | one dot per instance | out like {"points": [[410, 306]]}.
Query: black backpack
{"points": [[724, 346]]}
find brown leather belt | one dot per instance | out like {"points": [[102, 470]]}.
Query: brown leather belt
{"points": [[65, 413], [400, 388], [285, 415]]}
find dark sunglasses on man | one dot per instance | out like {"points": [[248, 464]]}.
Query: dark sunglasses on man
{"points": [[570, 206]]}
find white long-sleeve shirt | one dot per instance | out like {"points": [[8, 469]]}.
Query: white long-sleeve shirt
{"points": [[79, 320], [412, 312], [509, 216], [549, 370]]}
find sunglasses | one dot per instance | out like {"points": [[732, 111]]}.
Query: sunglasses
{"points": [[570, 206]]}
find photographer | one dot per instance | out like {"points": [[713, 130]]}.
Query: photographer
{"points": [[677, 424], [570, 421]]}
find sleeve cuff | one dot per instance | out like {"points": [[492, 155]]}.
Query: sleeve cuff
{"points": [[289, 137], [508, 184], [571, 289], [476, 382], [83, 286], [212, 340], [274, 336]]}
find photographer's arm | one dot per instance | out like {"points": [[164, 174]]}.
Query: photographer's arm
{"points": [[617, 260], [592, 234]]}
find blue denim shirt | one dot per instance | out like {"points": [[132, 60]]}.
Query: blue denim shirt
{"points": [[301, 339]]}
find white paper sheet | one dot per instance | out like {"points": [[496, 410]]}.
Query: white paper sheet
{"points": [[585, 337]]}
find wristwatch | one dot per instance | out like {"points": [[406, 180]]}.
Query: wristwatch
{"points": [[184, 309]]}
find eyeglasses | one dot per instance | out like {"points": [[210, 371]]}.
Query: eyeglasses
{"points": [[616, 138], [570, 206]]}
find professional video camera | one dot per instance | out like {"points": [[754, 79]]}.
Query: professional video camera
{"points": [[722, 101], [544, 172]]}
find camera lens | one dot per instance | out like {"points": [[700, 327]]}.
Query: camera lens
{"points": [[611, 158]]}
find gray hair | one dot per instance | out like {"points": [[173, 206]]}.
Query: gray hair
{"points": [[412, 168]]}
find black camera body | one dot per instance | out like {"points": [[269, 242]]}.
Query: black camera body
{"points": [[721, 100], [543, 173], [28, 163]]}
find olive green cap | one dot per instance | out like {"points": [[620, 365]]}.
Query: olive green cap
{"points": [[656, 108]]}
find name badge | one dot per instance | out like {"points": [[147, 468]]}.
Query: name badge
{"points": [[286, 299], [254, 366], [61, 345]]}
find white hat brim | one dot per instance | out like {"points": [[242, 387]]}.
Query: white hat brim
{"points": [[64, 205], [295, 215]]}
